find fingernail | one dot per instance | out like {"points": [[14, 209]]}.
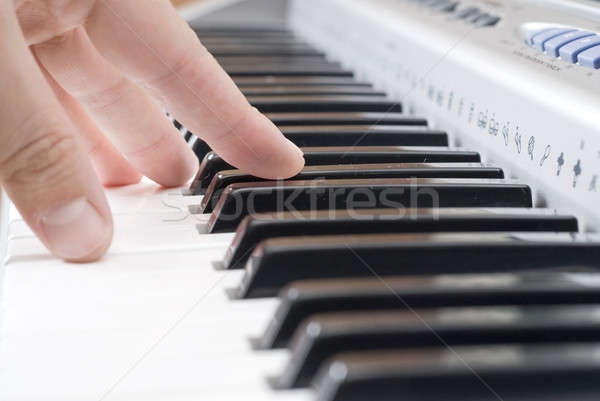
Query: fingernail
{"points": [[75, 230]]}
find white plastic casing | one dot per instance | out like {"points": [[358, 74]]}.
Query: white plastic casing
{"points": [[531, 113]]}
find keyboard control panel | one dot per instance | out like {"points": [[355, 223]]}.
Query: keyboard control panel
{"points": [[524, 88], [471, 14]]}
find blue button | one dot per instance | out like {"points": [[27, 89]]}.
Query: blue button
{"points": [[553, 45], [590, 57], [531, 34], [570, 51], [538, 40]]}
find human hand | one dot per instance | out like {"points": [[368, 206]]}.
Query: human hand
{"points": [[83, 84]]}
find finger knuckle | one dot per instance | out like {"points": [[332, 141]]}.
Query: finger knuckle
{"points": [[42, 161], [59, 41], [110, 96], [42, 20], [181, 68]]}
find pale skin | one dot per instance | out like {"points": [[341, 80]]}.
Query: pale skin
{"points": [[83, 84]]}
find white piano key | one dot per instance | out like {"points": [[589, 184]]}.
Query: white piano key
{"points": [[144, 202], [133, 234], [18, 228], [76, 328], [85, 367], [147, 197]]}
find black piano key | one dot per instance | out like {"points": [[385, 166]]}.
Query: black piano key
{"points": [[323, 335], [256, 36], [327, 136], [319, 104], [257, 45], [264, 51], [308, 90], [286, 71], [349, 118], [259, 227], [236, 30], [254, 60], [277, 262], [211, 41], [251, 62], [177, 124], [252, 42], [301, 299], [239, 200], [299, 81], [353, 135], [201, 149], [364, 135], [249, 37], [279, 61], [318, 156], [354, 171], [242, 32], [556, 372]]}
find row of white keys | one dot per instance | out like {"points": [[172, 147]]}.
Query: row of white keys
{"points": [[150, 321]]}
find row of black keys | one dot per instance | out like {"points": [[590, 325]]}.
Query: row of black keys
{"points": [[471, 301], [339, 177]]}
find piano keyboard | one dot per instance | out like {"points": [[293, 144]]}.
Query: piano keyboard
{"points": [[393, 266]]}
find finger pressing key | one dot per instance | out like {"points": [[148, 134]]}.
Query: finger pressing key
{"points": [[168, 59]]}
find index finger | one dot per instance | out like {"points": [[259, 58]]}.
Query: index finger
{"points": [[156, 48]]}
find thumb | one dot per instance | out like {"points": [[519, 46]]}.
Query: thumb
{"points": [[57, 193], [42, 165]]}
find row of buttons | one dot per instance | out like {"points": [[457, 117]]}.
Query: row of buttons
{"points": [[569, 44], [471, 14]]}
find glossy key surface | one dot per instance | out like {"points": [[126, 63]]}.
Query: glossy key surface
{"points": [[254, 60], [251, 40], [322, 336], [277, 262], [307, 104], [364, 135], [301, 299], [355, 171], [318, 156], [311, 90], [239, 200], [243, 82], [259, 227], [354, 135], [556, 372], [345, 118], [265, 51], [286, 71]]}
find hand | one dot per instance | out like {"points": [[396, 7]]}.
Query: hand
{"points": [[82, 87]]}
